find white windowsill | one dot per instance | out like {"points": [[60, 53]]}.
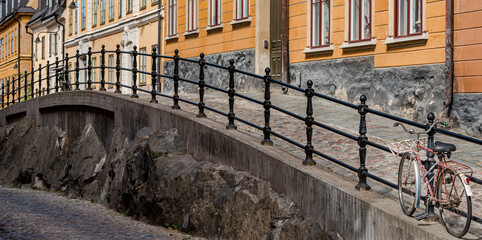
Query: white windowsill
{"points": [[209, 28], [234, 22], [348, 45], [171, 37], [191, 32], [392, 40], [329, 48]]}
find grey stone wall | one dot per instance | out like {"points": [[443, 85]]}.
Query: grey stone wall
{"points": [[243, 60], [412, 91], [467, 109]]}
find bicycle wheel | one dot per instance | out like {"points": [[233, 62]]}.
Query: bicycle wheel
{"points": [[408, 184], [455, 206]]}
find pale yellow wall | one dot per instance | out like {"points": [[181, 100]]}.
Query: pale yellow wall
{"points": [[430, 53]]}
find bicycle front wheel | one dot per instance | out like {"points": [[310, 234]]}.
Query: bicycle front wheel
{"points": [[455, 206], [408, 184]]}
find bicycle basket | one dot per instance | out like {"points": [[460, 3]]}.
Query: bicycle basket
{"points": [[410, 145]]}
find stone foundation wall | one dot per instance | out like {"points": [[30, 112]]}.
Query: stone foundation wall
{"points": [[412, 91], [243, 60], [467, 109]]}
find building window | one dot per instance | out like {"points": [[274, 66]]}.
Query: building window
{"points": [[129, 6], [76, 18], [110, 63], [320, 23], [408, 20], [191, 15], [111, 10], [360, 20], [241, 9], [214, 12], [83, 15], [94, 13], [53, 40], [120, 9], [102, 11], [15, 41], [43, 47], [70, 73], [143, 4], [172, 21], [70, 21], [142, 66], [36, 51]]}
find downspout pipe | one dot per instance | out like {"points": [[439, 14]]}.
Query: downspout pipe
{"points": [[159, 32], [449, 58], [31, 43], [63, 35], [18, 42], [285, 42]]}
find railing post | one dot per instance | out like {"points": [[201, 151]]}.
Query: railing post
{"points": [[362, 143], [19, 88], [309, 125], [66, 77], [39, 81], [267, 105], [153, 76], [13, 90], [25, 87], [176, 80], [201, 85], [231, 93], [8, 92], [3, 93], [77, 56], [431, 216], [56, 74], [117, 69], [31, 84], [89, 69], [102, 68], [134, 73], [48, 77]]}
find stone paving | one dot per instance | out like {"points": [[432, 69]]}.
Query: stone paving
{"points": [[380, 130], [29, 214]]}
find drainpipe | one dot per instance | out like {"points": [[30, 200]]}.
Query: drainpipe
{"points": [[285, 44], [449, 59], [63, 35], [31, 43], [18, 42]]}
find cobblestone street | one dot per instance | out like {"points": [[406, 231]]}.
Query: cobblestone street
{"points": [[380, 130], [29, 214]]}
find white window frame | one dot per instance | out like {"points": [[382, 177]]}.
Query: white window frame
{"points": [[405, 41], [142, 67], [110, 63], [111, 9], [172, 19], [367, 43], [191, 16], [240, 10], [215, 8], [83, 13], [94, 12]]}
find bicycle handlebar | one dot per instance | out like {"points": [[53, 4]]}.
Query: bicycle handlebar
{"points": [[411, 131]]}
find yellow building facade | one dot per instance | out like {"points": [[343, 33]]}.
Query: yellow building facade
{"points": [[15, 47], [126, 23]]}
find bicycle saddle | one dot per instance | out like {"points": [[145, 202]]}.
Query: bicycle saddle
{"points": [[443, 147]]}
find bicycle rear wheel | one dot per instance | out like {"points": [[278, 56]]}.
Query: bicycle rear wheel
{"points": [[455, 206], [408, 184]]}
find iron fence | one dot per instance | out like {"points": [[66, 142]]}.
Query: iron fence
{"points": [[62, 82]]}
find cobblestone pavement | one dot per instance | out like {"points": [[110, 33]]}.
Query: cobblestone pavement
{"points": [[380, 130], [29, 214]]}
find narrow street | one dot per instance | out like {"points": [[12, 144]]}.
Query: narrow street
{"points": [[30, 214]]}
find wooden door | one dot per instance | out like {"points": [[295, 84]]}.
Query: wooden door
{"points": [[276, 40]]}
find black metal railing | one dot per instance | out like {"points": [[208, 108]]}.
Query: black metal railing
{"points": [[13, 92]]}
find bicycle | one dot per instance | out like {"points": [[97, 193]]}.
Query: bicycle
{"points": [[448, 187]]}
